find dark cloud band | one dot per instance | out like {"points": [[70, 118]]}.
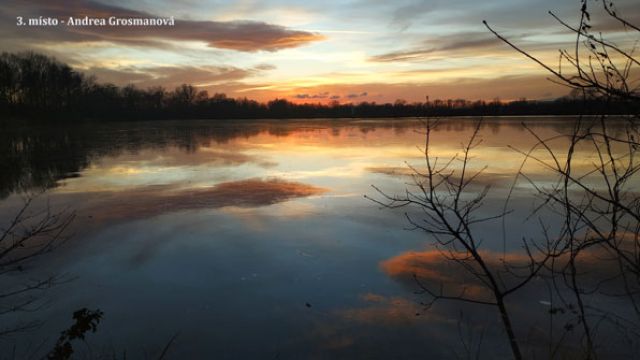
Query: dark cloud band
{"points": [[248, 36]]}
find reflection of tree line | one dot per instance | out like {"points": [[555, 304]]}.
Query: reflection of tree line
{"points": [[35, 85], [36, 157]]}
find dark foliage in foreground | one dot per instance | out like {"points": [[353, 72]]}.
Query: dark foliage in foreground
{"points": [[85, 320], [34, 85]]}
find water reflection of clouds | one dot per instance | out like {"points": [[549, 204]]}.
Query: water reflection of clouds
{"points": [[388, 310], [308, 235], [155, 200], [486, 178], [171, 166], [396, 325], [530, 306], [434, 269], [296, 150], [385, 327]]}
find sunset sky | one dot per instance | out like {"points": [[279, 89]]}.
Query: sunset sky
{"points": [[350, 51]]}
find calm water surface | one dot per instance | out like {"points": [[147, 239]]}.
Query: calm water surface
{"points": [[253, 239]]}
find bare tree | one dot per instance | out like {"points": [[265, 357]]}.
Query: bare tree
{"points": [[450, 213], [598, 203], [595, 63], [595, 250], [27, 236]]}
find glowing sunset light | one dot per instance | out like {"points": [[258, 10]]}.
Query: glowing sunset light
{"points": [[307, 52]]}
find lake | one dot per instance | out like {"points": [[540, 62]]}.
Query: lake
{"points": [[254, 239]]}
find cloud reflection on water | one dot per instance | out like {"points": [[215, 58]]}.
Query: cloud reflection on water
{"points": [[202, 206], [155, 200]]}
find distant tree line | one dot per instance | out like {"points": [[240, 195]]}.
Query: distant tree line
{"points": [[33, 85]]}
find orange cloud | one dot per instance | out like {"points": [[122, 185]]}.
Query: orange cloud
{"points": [[247, 36]]}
